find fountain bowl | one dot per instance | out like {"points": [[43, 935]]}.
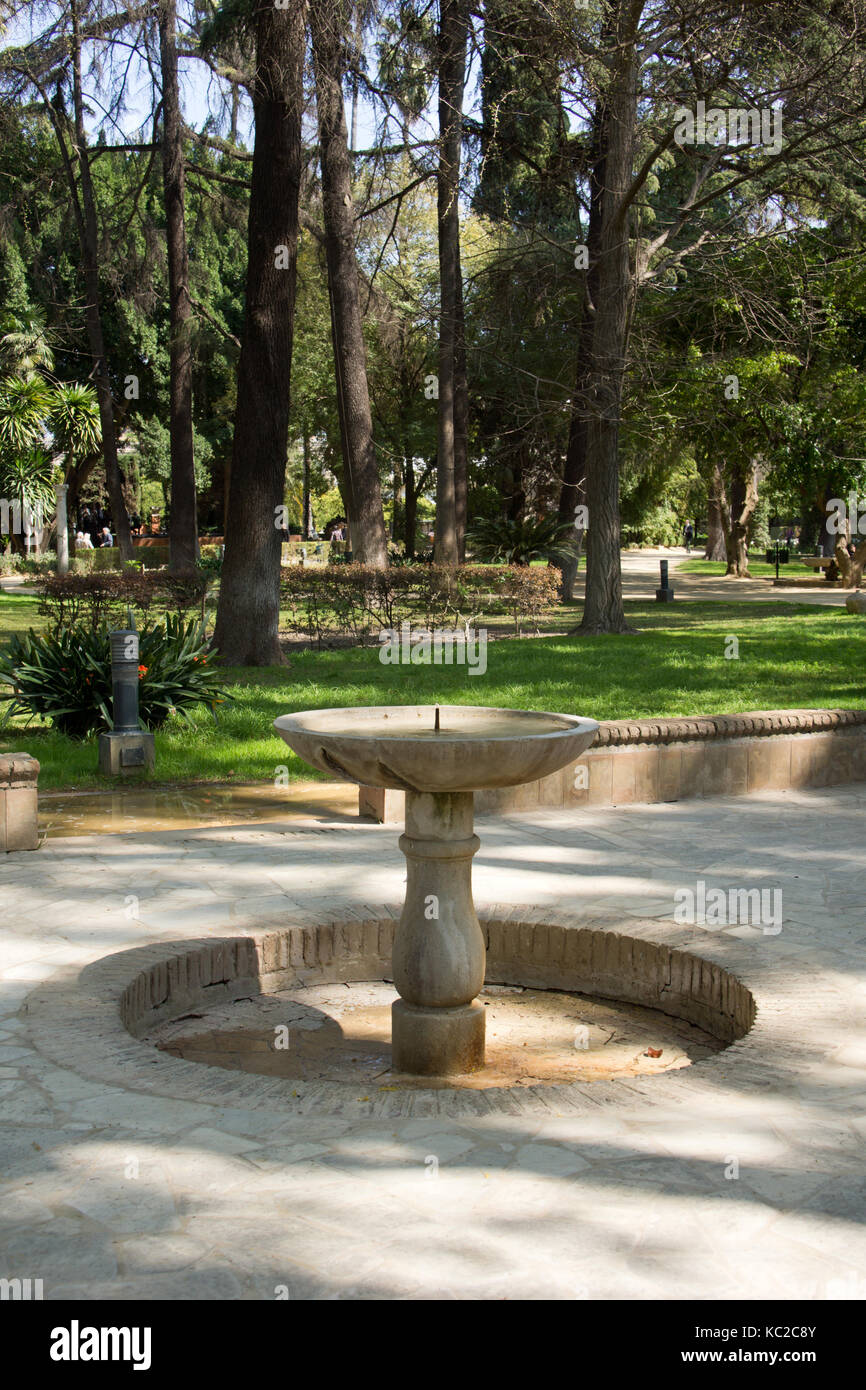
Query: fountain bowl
{"points": [[397, 746]]}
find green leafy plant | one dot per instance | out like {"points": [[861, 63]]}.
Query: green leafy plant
{"points": [[520, 542], [210, 563], [65, 676]]}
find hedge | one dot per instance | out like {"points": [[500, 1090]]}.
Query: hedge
{"points": [[104, 597], [331, 600], [321, 601]]}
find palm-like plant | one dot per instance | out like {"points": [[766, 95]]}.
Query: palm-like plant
{"points": [[25, 471], [25, 347], [73, 419], [24, 405], [518, 542], [34, 414]]}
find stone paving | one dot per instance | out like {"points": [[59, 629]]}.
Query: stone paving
{"points": [[746, 1181]]}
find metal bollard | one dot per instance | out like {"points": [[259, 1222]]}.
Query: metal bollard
{"points": [[665, 593]]}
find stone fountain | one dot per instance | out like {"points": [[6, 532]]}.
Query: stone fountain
{"points": [[439, 756]]}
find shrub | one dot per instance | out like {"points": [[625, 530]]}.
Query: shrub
{"points": [[331, 600], [95, 600], [38, 564], [659, 525], [65, 676]]}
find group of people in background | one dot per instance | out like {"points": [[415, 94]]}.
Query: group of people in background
{"points": [[94, 529]]}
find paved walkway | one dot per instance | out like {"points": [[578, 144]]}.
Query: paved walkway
{"points": [[749, 1183], [640, 579]]}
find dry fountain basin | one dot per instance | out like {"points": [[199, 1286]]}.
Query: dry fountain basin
{"points": [[439, 756]]}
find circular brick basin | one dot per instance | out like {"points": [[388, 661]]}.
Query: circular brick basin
{"points": [[652, 984], [98, 1024]]}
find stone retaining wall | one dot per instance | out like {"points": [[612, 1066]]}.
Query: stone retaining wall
{"points": [[18, 802], [653, 760]]}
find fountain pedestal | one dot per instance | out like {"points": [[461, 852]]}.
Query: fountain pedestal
{"points": [[438, 756], [439, 955]]}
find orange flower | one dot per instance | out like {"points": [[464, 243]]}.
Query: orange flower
{"points": [[142, 671]]}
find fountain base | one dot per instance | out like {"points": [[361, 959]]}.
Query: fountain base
{"points": [[437, 1042]]}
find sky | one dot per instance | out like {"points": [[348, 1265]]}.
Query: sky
{"points": [[200, 90]]}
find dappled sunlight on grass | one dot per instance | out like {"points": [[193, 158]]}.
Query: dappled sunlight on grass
{"points": [[790, 656]]}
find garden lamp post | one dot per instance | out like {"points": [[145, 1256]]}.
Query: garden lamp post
{"points": [[778, 554], [127, 748]]}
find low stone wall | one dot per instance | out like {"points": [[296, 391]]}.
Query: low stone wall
{"points": [[634, 761], [18, 802]]}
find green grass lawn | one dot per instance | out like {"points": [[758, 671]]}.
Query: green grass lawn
{"points": [[758, 568], [790, 656]]}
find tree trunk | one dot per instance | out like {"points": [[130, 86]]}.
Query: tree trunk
{"points": [[328, 25], [828, 537], [89, 239], [514, 493], [573, 492], [183, 531], [306, 519], [736, 516], [715, 531], [611, 283], [410, 513], [399, 500], [247, 627], [453, 32], [461, 422], [62, 524]]}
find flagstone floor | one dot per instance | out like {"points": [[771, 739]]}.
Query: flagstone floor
{"points": [[747, 1183]]}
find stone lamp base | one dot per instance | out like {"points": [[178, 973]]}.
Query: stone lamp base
{"points": [[123, 753]]}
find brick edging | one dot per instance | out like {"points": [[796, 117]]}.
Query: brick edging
{"points": [[93, 1023], [757, 724]]}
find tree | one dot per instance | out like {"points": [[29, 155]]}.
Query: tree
{"points": [[183, 532], [247, 626], [453, 36], [73, 420], [329, 24], [657, 185], [57, 60], [47, 430]]}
